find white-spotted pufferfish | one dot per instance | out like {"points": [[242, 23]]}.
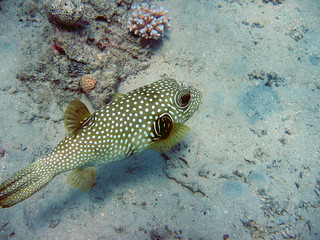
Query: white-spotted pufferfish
{"points": [[148, 117]]}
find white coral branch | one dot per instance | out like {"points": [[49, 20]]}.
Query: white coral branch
{"points": [[149, 22]]}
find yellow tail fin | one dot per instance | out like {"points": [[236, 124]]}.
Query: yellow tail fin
{"points": [[23, 184]]}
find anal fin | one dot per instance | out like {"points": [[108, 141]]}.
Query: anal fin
{"points": [[82, 178]]}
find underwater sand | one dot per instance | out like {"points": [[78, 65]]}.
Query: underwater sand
{"points": [[249, 167]]}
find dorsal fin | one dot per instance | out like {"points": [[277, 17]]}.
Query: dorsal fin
{"points": [[117, 95], [74, 116], [178, 132]]}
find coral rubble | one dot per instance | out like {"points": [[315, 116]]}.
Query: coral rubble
{"points": [[148, 22]]}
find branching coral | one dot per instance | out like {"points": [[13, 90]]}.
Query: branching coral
{"points": [[149, 22]]}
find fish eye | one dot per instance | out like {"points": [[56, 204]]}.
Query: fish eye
{"points": [[183, 98]]}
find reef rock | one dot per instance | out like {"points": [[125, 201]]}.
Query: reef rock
{"points": [[65, 12], [83, 39]]}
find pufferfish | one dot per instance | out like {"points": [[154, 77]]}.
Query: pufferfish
{"points": [[151, 116]]}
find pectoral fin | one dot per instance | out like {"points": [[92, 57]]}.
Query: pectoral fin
{"points": [[178, 132], [82, 178]]}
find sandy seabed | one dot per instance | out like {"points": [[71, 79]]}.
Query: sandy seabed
{"points": [[249, 168]]}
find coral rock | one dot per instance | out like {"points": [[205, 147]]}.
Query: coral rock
{"points": [[87, 83], [65, 12], [148, 22]]}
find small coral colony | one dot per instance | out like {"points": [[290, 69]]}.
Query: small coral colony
{"points": [[148, 22]]}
